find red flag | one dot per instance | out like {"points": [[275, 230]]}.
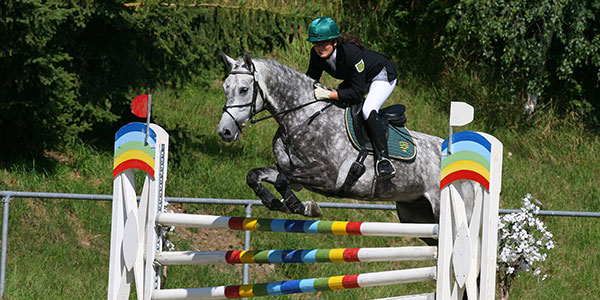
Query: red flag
{"points": [[139, 106]]}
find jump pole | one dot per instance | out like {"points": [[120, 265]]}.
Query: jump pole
{"points": [[299, 226], [296, 256], [300, 286]]}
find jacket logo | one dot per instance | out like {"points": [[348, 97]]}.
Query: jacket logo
{"points": [[360, 66]]}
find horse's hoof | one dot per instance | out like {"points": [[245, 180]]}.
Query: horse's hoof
{"points": [[312, 209]]}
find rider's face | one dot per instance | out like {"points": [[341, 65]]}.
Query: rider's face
{"points": [[324, 48]]}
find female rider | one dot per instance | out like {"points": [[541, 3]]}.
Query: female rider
{"points": [[362, 71]]}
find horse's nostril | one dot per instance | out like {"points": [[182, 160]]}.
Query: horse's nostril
{"points": [[227, 132]]}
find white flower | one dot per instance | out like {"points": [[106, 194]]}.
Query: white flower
{"points": [[523, 240]]}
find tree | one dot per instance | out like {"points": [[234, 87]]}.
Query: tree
{"points": [[70, 68], [546, 50]]}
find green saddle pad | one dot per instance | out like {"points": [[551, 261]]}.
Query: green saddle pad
{"points": [[400, 141]]}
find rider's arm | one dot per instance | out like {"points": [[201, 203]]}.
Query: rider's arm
{"points": [[354, 87]]}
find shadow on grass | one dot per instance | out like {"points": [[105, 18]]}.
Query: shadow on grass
{"points": [[28, 164]]}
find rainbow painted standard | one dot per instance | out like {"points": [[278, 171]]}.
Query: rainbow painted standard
{"points": [[131, 151], [469, 159]]}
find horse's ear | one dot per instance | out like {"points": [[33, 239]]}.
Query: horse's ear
{"points": [[230, 62], [248, 62]]}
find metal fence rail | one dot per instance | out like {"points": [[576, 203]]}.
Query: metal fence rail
{"points": [[8, 195]]}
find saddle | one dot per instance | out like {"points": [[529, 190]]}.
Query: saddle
{"points": [[400, 142], [401, 145]]}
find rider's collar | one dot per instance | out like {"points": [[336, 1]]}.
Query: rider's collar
{"points": [[331, 59]]}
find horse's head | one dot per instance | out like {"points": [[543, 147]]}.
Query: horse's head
{"points": [[244, 97]]}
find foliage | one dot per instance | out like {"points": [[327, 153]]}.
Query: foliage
{"points": [[407, 31], [547, 51], [415, 29], [38, 93], [524, 241], [194, 35], [69, 68]]}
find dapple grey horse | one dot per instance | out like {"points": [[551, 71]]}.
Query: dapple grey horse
{"points": [[313, 150]]}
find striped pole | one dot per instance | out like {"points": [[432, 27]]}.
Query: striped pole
{"points": [[299, 286], [296, 256], [300, 226]]}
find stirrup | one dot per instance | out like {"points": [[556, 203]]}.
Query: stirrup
{"points": [[385, 175]]}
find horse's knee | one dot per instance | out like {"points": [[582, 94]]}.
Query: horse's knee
{"points": [[268, 199], [282, 183], [252, 178]]}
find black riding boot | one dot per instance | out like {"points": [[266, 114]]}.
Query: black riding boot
{"points": [[376, 131]]}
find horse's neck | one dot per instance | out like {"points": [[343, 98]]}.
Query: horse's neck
{"points": [[284, 93]]}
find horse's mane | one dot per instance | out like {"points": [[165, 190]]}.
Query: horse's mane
{"points": [[283, 83], [284, 71]]}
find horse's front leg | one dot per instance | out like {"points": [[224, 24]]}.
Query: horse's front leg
{"points": [[268, 174], [308, 208]]}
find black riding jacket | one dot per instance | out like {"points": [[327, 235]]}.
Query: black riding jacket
{"points": [[356, 67]]}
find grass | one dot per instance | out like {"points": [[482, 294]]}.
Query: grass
{"points": [[58, 249]]}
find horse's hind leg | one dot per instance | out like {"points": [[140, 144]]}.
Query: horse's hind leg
{"points": [[268, 174], [417, 211], [309, 208]]}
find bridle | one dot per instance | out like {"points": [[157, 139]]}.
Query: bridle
{"points": [[256, 89]]}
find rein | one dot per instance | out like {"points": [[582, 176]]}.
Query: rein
{"points": [[306, 122], [283, 112], [256, 89]]}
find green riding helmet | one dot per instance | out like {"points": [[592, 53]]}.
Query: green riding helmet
{"points": [[322, 29]]}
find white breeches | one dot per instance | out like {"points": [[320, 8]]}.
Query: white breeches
{"points": [[378, 92]]}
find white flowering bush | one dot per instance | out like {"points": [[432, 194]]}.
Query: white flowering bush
{"points": [[523, 242]]}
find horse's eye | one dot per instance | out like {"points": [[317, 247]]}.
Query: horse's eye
{"points": [[243, 90]]}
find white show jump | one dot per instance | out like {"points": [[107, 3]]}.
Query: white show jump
{"points": [[467, 243]]}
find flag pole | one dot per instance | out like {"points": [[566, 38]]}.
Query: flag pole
{"points": [[148, 118], [461, 114]]}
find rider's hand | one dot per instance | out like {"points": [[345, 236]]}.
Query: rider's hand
{"points": [[321, 93]]}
